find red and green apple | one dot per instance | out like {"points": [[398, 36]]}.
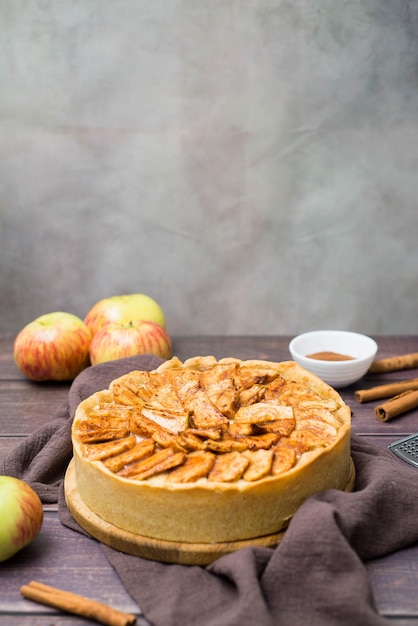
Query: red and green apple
{"points": [[118, 340], [21, 515], [123, 309], [54, 346]]}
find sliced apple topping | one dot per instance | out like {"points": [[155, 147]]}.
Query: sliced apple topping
{"points": [[101, 451], [283, 460], [259, 442], [228, 467], [253, 394], [97, 436], [221, 420], [260, 465], [252, 373], [197, 465], [139, 451], [226, 445], [280, 426], [203, 413], [174, 422], [263, 412], [218, 384], [155, 464]]}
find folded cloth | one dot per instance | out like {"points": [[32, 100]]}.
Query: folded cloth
{"points": [[316, 574]]}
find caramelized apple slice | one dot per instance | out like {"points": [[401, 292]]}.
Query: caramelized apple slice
{"points": [[152, 465], [166, 464], [197, 465], [283, 460], [263, 412], [260, 464], [228, 467], [100, 451], [218, 383], [141, 450]]}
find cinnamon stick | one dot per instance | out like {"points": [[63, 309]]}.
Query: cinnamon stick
{"points": [[76, 604], [397, 406], [385, 391], [394, 363]]}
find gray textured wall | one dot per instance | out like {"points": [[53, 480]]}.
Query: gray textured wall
{"points": [[251, 164]]}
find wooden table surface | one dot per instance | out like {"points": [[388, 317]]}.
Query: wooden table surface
{"points": [[66, 559]]}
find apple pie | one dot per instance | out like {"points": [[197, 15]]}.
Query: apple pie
{"points": [[209, 450]]}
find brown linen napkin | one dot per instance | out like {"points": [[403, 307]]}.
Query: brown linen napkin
{"points": [[317, 573]]}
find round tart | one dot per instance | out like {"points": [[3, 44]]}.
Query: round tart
{"points": [[210, 450]]}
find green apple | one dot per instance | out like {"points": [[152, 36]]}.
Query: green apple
{"points": [[119, 340], [21, 515], [55, 346], [124, 308]]}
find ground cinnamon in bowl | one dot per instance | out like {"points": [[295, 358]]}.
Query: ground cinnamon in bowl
{"points": [[338, 357], [329, 356]]}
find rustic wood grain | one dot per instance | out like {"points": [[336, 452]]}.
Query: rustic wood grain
{"points": [[31, 412], [58, 557]]}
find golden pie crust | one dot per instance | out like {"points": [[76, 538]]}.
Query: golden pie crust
{"points": [[208, 450]]}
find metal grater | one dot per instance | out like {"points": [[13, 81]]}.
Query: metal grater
{"points": [[406, 449]]}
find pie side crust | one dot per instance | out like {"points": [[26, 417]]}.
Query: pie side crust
{"points": [[209, 512]]}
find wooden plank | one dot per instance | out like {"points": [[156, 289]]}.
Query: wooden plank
{"points": [[8, 444], [241, 347], [8, 367], [62, 558], [390, 345], [37, 404], [271, 347], [395, 582]]}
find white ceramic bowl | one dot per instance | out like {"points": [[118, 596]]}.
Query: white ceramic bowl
{"points": [[336, 373]]}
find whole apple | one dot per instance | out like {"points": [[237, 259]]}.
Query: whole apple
{"points": [[21, 515], [55, 346], [122, 309], [116, 341]]}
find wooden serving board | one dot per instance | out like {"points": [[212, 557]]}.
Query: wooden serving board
{"points": [[156, 549]]}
